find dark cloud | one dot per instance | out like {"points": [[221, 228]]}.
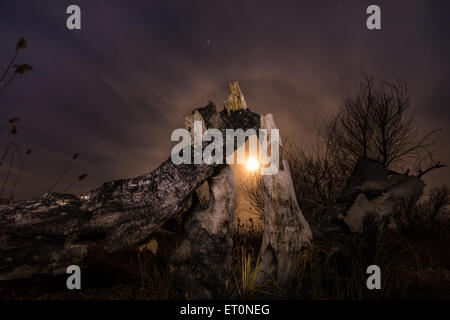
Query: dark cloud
{"points": [[115, 90]]}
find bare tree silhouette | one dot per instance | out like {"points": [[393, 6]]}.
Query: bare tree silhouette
{"points": [[377, 122]]}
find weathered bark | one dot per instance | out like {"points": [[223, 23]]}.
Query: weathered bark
{"points": [[286, 231], [203, 261], [47, 234]]}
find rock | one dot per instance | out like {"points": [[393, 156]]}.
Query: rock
{"points": [[203, 261]]}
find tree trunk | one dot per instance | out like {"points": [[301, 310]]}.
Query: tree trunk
{"points": [[203, 261], [286, 231]]}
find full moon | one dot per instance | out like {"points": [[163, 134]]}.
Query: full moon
{"points": [[252, 164]]}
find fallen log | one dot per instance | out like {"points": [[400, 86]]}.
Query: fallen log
{"points": [[53, 231]]}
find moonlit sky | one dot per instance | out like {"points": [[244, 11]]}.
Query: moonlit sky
{"points": [[115, 90]]}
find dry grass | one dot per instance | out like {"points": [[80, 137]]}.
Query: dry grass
{"points": [[413, 265]]}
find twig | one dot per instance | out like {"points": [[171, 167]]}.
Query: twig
{"points": [[9, 172], [20, 172], [7, 84], [20, 45], [63, 173], [80, 178], [9, 66], [436, 166]]}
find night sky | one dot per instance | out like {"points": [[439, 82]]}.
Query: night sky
{"points": [[116, 89]]}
